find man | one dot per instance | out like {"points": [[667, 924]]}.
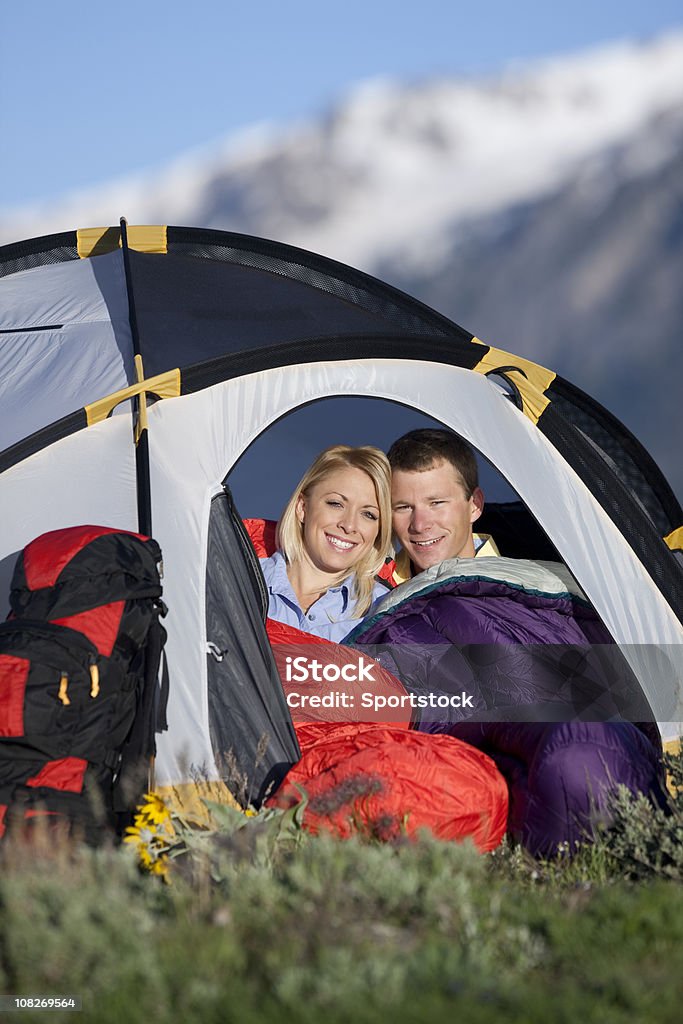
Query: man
{"points": [[510, 637], [436, 499]]}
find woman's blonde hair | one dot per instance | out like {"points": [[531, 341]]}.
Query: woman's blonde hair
{"points": [[289, 537]]}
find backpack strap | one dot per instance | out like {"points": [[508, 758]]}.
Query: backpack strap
{"points": [[140, 747]]}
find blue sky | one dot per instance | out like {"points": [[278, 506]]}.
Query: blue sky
{"points": [[91, 91]]}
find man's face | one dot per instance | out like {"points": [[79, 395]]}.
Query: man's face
{"points": [[432, 515]]}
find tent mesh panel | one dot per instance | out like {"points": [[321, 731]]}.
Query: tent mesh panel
{"points": [[617, 501], [623, 453], [37, 252], [404, 313]]}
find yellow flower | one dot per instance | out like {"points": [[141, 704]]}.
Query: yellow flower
{"points": [[155, 809], [153, 834], [160, 867]]}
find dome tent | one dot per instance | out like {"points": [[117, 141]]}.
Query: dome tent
{"points": [[207, 338]]}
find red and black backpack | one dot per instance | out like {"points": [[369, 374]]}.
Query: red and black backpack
{"points": [[79, 667]]}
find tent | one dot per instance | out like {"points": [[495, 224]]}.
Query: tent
{"points": [[138, 364]]}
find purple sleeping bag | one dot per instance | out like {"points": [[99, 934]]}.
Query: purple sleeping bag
{"points": [[560, 775], [550, 697]]}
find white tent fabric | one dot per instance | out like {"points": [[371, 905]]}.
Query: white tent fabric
{"points": [[67, 326], [88, 477]]}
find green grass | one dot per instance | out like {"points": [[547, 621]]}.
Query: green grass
{"points": [[262, 922]]}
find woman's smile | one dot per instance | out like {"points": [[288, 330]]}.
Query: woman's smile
{"points": [[340, 543]]}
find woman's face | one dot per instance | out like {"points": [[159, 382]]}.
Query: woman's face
{"points": [[340, 517]]}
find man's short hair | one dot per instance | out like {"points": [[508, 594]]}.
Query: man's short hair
{"points": [[418, 450]]}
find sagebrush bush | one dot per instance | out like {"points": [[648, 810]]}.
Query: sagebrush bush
{"points": [[79, 921], [262, 922], [645, 841]]}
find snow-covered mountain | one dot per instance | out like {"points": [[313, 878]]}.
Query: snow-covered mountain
{"points": [[541, 209], [394, 164]]}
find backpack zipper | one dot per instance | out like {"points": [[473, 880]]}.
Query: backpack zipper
{"points": [[63, 685]]}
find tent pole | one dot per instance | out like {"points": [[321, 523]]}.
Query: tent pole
{"points": [[144, 492]]}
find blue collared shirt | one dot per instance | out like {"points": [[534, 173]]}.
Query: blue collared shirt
{"points": [[332, 616]]}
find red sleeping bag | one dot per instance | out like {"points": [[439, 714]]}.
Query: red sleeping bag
{"points": [[367, 770], [386, 781]]}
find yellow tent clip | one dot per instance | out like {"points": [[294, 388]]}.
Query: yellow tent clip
{"points": [[531, 380], [675, 539], [94, 680], [63, 684], [165, 385], [143, 237]]}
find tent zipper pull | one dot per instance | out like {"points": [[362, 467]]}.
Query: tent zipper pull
{"points": [[215, 651], [94, 680], [63, 684]]}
